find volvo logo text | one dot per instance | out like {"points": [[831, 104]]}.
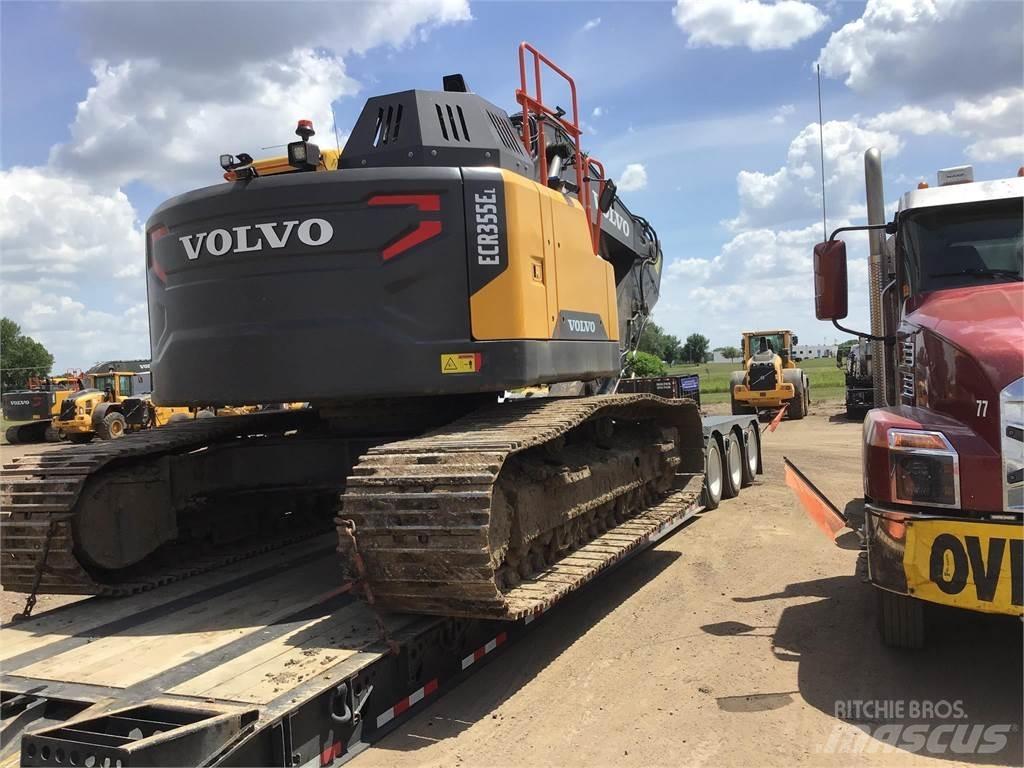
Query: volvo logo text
{"points": [[311, 232], [581, 326]]}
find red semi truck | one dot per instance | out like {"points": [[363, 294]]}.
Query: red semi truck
{"points": [[943, 449]]}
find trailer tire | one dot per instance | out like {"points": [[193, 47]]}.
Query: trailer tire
{"points": [[732, 478], [112, 427], [900, 620], [713, 474], [751, 453]]}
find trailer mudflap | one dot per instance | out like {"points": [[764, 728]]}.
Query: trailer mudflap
{"points": [[158, 732], [823, 512]]}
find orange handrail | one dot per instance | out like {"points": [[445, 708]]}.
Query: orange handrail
{"points": [[534, 104]]}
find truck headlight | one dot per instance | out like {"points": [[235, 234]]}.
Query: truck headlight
{"points": [[924, 467]]}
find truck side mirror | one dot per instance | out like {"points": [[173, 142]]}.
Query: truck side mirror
{"points": [[608, 190], [830, 291]]}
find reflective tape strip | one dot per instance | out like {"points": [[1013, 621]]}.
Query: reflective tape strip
{"points": [[415, 697], [479, 653], [529, 619]]}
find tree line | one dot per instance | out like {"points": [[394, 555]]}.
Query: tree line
{"points": [[21, 357]]}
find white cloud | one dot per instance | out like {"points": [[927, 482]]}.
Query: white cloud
{"points": [[75, 334], [782, 113], [915, 120], [592, 24], [598, 112], [757, 25], [929, 47], [52, 224], [994, 124], [793, 192], [145, 120], [176, 84], [633, 178]]}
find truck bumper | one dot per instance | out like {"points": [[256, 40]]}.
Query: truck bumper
{"points": [[966, 563], [764, 398]]}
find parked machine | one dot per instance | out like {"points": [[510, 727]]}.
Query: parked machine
{"points": [[855, 363], [115, 403], [36, 406], [450, 253], [770, 378], [944, 444]]}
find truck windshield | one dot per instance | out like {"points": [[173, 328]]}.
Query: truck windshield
{"points": [[968, 244]]}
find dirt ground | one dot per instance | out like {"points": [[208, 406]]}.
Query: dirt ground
{"points": [[735, 642], [730, 644]]}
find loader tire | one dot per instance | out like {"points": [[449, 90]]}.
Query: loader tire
{"points": [[900, 620], [81, 438], [738, 408], [798, 405], [112, 427], [178, 417], [11, 435]]}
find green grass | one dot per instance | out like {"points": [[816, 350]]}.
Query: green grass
{"points": [[827, 382]]}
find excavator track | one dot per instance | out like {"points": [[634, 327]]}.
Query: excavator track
{"points": [[40, 495], [505, 510]]}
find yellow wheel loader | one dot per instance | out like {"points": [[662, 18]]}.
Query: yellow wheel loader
{"points": [[112, 405], [770, 379]]}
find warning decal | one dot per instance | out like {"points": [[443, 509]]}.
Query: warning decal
{"points": [[467, 362]]}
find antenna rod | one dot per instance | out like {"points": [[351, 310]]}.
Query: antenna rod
{"points": [[821, 147], [334, 119]]}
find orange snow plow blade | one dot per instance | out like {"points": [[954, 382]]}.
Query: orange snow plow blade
{"points": [[822, 511]]}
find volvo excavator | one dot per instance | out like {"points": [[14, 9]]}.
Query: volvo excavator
{"points": [[450, 253]]}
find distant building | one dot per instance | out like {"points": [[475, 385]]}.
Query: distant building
{"points": [[814, 351], [718, 357]]}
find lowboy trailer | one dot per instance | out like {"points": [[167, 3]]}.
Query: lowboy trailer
{"points": [[266, 663]]}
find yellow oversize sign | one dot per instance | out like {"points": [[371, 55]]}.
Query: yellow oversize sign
{"points": [[974, 565]]}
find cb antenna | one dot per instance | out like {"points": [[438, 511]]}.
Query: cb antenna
{"points": [[821, 147], [334, 119]]}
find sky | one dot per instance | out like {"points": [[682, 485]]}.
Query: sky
{"points": [[704, 110]]}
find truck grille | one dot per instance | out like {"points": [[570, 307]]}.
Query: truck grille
{"points": [[1011, 430], [907, 386], [906, 354]]}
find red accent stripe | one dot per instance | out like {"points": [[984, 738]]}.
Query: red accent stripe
{"points": [[500, 638], [478, 654], [430, 687], [401, 706], [159, 272], [422, 202], [424, 231]]}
